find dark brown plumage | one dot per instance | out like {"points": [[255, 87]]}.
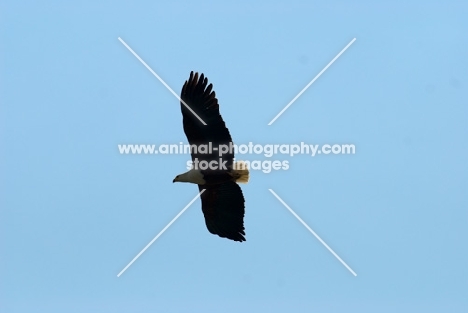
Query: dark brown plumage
{"points": [[222, 200]]}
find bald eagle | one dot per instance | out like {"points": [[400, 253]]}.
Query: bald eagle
{"points": [[222, 199]]}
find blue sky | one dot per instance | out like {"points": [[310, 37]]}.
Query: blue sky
{"points": [[74, 211]]}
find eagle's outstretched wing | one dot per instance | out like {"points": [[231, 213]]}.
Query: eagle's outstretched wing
{"points": [[202, 100], [223, 208]]}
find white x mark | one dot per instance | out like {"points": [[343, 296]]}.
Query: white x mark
{"points": [[160, 79], [161, 232], [277, 116], [313, 233], [311, 82]]}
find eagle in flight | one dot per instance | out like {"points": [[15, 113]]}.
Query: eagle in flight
{"points": [[213, 167]]}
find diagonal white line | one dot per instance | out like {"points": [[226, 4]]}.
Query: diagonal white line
{"points": [[313, 233], [160, 79], [161, 232], [311, 82]]}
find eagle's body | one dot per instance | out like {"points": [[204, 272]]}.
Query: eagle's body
{"points": [[222, 200]]}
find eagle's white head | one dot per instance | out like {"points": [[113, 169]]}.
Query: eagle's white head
{"points": [[193, 176]]}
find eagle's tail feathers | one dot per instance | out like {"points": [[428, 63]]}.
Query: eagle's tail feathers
{"points": [[240, 172]]}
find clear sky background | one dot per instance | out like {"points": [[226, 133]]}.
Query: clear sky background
{"points": [[74, 211]]}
